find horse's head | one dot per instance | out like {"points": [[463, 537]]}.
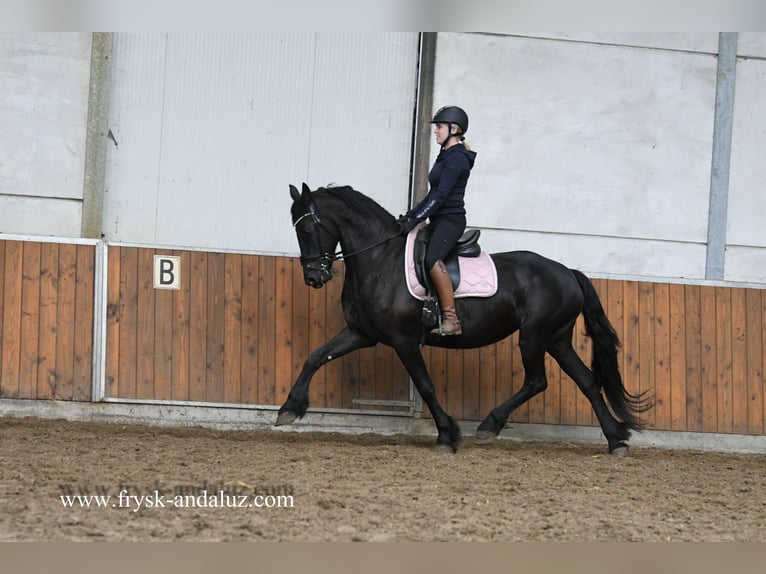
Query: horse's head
{"points": [[316, 242]]}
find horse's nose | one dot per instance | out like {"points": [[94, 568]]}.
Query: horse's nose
{"points": [[313, 282]]}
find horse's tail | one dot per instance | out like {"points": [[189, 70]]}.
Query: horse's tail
{"points": [[606, 372]]}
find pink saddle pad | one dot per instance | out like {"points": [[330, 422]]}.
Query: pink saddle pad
{"points": [[478, 275]]}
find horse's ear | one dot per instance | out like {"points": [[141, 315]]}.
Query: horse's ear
{"points": [[306, 194], [294, 193]]}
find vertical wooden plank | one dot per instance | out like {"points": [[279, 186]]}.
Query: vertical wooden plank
{"points": [[584, 348], [317, 337], [454, 381], [552, 395], [692, 312], [569, 390], [615, 311], [739, 365], [164, 318], [755, 358], [145, 322], [113, 312], [367, 373], [2, 318], [724, 359], [300, 320], [66, 322], [661, 410], [11, 360], [709, 366], [181, 343], [647, 354], [30, 320], [471, 384], [283, 322], [503, 373], [400, 378], [232, 359], [334, 324], [266, 331], [347, 366], [83, 333], [216, 330], [351, 380], [437, 369], [488, 381], [198, 326], [631, 376], [46, 372], [250, 302], [383, 374], [762, 353], [128, 322], [521, 414], [677, 333]]}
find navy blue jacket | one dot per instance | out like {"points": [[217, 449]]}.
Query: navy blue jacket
{"points": [[448, 178]]}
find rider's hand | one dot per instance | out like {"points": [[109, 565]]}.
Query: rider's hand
{"points": [[407, 223]]}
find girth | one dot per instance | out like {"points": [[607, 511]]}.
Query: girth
{"points": [[466, 246]]}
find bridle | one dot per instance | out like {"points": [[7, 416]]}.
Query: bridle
{"points": [[322, 261]]}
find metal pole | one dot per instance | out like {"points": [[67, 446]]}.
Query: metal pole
{"points": [[721, 160]]}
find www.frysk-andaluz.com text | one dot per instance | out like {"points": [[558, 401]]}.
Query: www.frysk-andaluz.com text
{"points": [[204, 495]]}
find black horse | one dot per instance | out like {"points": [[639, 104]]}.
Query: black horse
{"points": [[537, 296]]}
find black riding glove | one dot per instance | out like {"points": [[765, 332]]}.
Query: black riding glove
{"points": [[407, 223]]}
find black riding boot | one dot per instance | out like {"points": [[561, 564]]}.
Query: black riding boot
{"points": [[450, 324]]}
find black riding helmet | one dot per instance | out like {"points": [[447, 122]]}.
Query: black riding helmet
{"points": [[452, 115]]}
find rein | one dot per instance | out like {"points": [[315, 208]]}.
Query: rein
{"points": [[339, 254]]}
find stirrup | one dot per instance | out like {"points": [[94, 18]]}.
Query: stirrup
{"points": [[438, 330]]}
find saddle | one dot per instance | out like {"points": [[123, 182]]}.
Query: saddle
{"points": [[466, 246], [472, 271]]}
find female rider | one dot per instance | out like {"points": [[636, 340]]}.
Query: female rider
{"points": [[445, 206]]}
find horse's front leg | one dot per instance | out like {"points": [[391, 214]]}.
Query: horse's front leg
{"points": [[298, 400], [449, 432]]}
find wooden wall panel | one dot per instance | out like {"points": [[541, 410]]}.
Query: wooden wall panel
{"points": [[238, 331], [46, 311], [241, 326]]}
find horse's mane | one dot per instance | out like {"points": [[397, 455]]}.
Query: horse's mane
{"points": [[357, 202]]}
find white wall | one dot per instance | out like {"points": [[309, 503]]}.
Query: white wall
{"points": [[595, 148], [44, 83], [746, 229], [212, 128]]}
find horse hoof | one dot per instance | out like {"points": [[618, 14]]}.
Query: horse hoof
{"points": [[621, 451], [285, 418], [444, 449], [484, 437]]}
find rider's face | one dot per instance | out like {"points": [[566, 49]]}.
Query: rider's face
{"points": [[441, 131]]}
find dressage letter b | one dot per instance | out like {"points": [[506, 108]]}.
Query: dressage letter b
{"points": [[167, 277], [167, 272]]}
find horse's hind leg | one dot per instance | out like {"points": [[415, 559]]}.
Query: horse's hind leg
{"points": [[535, 382], [616, 433]]}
